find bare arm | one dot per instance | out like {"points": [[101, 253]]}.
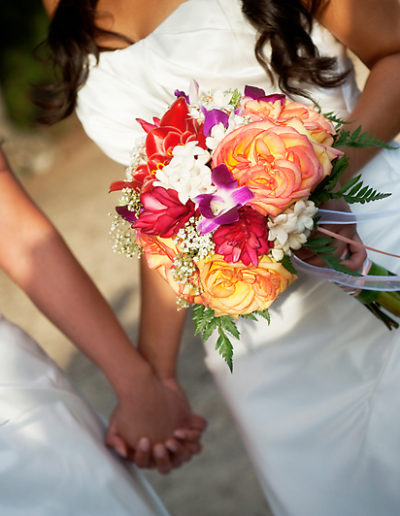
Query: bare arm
{"points": [[35, 256], [160, 323], [371, 29]]}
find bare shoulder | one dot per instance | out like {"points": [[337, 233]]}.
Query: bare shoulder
{"points": [[370, 28], [50, 6]]}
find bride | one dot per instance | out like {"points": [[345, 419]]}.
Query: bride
{"points": [[315, 395]]}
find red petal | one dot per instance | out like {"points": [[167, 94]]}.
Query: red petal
{"points": [[146, 126], [177, 115], [120, 185], [155, 140]]}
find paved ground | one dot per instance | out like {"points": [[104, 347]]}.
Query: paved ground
{"points": [[74, 195]]}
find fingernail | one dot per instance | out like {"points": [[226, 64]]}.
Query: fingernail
{"points": [[171, 447], [160, 453], [180, 434], [144, 444], [121, 451]]}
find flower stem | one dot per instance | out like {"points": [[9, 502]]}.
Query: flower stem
{"points": [[375, 300]]}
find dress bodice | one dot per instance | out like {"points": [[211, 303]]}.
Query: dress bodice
{"points": [[206, 40]]}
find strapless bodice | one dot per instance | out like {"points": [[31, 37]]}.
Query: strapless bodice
{"points": [[207, 40]]}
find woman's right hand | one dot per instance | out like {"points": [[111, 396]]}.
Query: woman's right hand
{"points": [[153, 424]]}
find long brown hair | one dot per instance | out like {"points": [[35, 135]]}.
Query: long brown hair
{"points": [[71, 39], [285, 24]]}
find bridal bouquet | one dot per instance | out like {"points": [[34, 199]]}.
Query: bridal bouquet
{"points": [[224, 187]]}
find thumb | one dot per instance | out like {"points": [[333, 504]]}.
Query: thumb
{"points": [[115, 441], [197, 422]]}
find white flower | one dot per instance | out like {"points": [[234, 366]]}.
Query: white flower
{"points": [[196, 113], [187, 172], [138, 157], [218, 132], [291, 228]]}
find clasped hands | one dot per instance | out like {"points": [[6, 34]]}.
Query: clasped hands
{"points": [[153, 425]]}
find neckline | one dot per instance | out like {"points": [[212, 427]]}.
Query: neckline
{"points": [[154, 32]]}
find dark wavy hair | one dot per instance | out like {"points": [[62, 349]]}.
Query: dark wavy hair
{"points": [[71, 38], [285, 24]]}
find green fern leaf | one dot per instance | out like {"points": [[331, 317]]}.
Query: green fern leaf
{"points": [[225, 348], [286, 262]]}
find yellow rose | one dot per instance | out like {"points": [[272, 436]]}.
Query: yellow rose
{"points": [[235, 289]]}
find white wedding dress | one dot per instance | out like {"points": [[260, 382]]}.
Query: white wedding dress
{"points": [[53, 460], [316, 394]]}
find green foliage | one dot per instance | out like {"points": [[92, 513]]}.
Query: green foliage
{"points": [[23, 25], [358, 139], [339, 122], [236, 96], [206, 322], [286, 262], [325, 248], [265, 314], [225, 348], [354, 192], [324, 190]]}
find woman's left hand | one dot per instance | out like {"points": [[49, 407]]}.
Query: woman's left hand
{"points": [[352, 255]]}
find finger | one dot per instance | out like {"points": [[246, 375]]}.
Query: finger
{"points": [[186, 434], [143, 453], [115, 441], [161, 458], [197, 423], [356, 258], [177, 450], [193, 448]]}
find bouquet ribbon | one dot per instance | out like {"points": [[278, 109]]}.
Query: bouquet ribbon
{"points": [[389, 283]]}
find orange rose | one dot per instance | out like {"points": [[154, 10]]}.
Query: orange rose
{"points": [[159, 254], [318, 126], [279, 164], [234, 288]]}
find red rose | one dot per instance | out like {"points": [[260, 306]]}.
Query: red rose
{"points": [[163, 214], [244, 240]]}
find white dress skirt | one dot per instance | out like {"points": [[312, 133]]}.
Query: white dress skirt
{"points": [[53, 460], [317, 394]]}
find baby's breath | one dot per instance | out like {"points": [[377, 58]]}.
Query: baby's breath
{"points": [[184, 268], [124, 238], [192, 243], [181, 303], [131, 199], [138, 157], [236, 96]]}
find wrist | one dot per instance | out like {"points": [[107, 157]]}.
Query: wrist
{"points": [[131, 371]]}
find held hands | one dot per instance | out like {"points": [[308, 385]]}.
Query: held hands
{"points": [[352, 256], [153, 425]]}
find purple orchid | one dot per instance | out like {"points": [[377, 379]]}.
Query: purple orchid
{"points": [[214, 117], [126, 214], [259, 94], [223, 206], [180, 93]]}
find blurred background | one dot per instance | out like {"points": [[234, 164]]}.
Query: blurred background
{"points": [[69, 177]]}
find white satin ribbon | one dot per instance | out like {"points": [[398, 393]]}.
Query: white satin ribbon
{"points": [[369, 282], [347, 217], [381, 283]]}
